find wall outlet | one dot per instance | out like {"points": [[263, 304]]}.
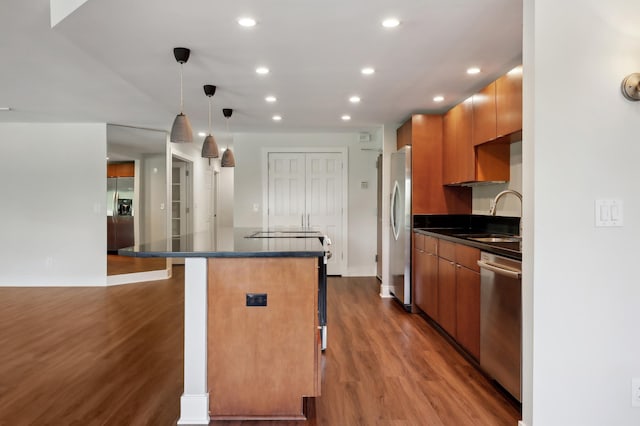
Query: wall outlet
{"points": [[635, 392]]}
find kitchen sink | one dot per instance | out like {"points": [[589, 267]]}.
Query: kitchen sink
{"points": [[495, 239], [490, 238]]}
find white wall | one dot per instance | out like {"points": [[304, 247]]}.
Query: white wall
{"points": [[153, 194], [508, 205], [362, 204], [582, 292], [53, 213]]}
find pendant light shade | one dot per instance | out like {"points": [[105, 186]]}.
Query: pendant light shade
{"points": [[181, 129], [210, 147], [228, 159]]}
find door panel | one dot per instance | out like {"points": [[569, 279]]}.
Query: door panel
{"points": [[306, 190], [286, 189], [324, 200]]}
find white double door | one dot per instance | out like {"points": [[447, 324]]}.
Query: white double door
{"points": [[306, 190]]}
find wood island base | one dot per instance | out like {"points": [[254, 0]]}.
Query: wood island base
{"points": [[263, 346]]}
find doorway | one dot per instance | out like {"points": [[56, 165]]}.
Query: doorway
{"points": [[307, 189], [181, 200]]}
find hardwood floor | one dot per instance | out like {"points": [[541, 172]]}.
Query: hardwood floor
{"points": [[113, 356], [117, 265]]}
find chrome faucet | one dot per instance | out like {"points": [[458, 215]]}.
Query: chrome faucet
{"points": [[492, 210]]}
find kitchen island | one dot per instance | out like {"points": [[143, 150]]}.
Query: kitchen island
{"points": [[254, 311]]}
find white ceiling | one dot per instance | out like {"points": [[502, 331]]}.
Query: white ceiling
{"points": [[112, 60]]}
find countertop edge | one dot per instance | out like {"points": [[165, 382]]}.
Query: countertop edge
{"points": [[482, 246], [226, 254]]}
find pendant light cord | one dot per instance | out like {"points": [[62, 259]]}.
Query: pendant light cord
{"points": [[209, 114], [227, 123], [181, 101]]}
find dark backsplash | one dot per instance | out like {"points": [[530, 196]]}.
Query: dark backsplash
{"points": [[475, 223]]}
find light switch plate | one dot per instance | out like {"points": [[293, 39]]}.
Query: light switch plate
{"points": [[608, 212]]}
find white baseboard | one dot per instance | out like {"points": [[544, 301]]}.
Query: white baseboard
{"points": [[138, 277], [194, 409], [385, 291], [360, 272]]}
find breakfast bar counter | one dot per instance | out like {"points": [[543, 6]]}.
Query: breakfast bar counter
{"points": [[254, 317]]}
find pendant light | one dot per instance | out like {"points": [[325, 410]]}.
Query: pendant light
{"points": [[181, 129], [210, 147], [228, 159]]}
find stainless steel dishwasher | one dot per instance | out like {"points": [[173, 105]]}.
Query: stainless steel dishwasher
{"points": [[501, 320]]}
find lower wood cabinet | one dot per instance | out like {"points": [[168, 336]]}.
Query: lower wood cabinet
{"points": [[468, 309], [425, 274], [447, 288], [447, 295]]}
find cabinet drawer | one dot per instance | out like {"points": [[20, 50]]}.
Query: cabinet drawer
{"points": [[431, 245], [447, 250], [418, 241], [467, 257]]}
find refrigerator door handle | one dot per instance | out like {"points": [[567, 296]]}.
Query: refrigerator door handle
{"points": [[115, 206], [394, 200]]}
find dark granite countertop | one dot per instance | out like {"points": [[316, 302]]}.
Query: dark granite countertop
{"points": [[457, 228], [457, 235], [232, 242]]}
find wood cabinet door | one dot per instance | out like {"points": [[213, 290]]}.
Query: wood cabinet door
{"points": [[418, 276], [447, 295], [430, 276], [466, 166], [509, 102], [468, 309], [404, 134], [449, 148], [484, 115]]}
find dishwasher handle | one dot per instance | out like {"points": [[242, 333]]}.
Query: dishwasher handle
{"points": [[500, 270]]}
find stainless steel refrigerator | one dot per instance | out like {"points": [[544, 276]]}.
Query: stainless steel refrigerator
{"points": [[120, 213], [400, 215]]}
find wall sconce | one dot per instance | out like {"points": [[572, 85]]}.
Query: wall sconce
{"points": [[631, 87]]}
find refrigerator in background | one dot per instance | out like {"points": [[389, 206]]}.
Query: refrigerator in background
{"points": [[120, 212], [400, 216]]}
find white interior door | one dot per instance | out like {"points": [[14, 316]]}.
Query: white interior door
{"points": [[286, 189], [323, 201], [305, 190]]}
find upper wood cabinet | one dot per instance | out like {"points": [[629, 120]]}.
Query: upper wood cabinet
{"points": [[404, 134], [509, 102], [484, 115], [458, 155], [121, 169], [497, 109], [429, 196]]}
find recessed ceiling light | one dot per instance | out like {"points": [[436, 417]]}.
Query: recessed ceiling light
{"points": [[367, 71], [5, 108], [270, 99], [438, 98], [202, 134], [247, 22], [262, 70], [473, 70], [517, 70], [390, 23], [354, 99], [346, 117], [277, 117]]}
